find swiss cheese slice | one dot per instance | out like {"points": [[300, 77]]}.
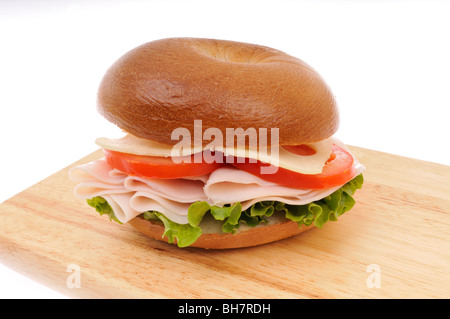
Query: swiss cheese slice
{"points": [[279, 157]]}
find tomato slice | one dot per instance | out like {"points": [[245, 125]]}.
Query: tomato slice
{"points": [[302, 149], [157, 167], [337, 171]]}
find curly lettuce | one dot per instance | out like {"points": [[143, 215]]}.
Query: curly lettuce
{"points": [[102, 207], [231, 216]]}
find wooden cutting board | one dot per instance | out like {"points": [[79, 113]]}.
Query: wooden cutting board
{"points": [[395, 243]]}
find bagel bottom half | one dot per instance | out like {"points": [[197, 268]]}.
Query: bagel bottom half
{"points": [[246, 238]]}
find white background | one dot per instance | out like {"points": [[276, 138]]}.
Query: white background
{"points": [[387, 62]]}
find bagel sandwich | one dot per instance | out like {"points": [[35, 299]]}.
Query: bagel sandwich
{"points": [[226, 145]]}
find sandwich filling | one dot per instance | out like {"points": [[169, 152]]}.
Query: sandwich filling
{"points": [[232, 196]]}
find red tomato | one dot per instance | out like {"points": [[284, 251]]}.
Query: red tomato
{"points": [[337, 171], [157, 167], [301, 149]]}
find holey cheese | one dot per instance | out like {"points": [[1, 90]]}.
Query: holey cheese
{"points": [[280, 157]]}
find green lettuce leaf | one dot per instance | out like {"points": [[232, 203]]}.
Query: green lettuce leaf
{"points": [[102, 206], [231, 216], [185, 234]]}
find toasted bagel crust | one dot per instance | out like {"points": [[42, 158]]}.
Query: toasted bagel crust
{"points": [[251, 237], [166, 84]]}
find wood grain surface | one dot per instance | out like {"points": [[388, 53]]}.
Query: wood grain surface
{"points": [[395, 243]]}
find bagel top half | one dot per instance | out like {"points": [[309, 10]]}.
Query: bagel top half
{"points": [[166, 84]]}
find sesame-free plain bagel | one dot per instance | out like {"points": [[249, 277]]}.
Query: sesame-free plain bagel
{"points": [[263, 234], [166, 84]]}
